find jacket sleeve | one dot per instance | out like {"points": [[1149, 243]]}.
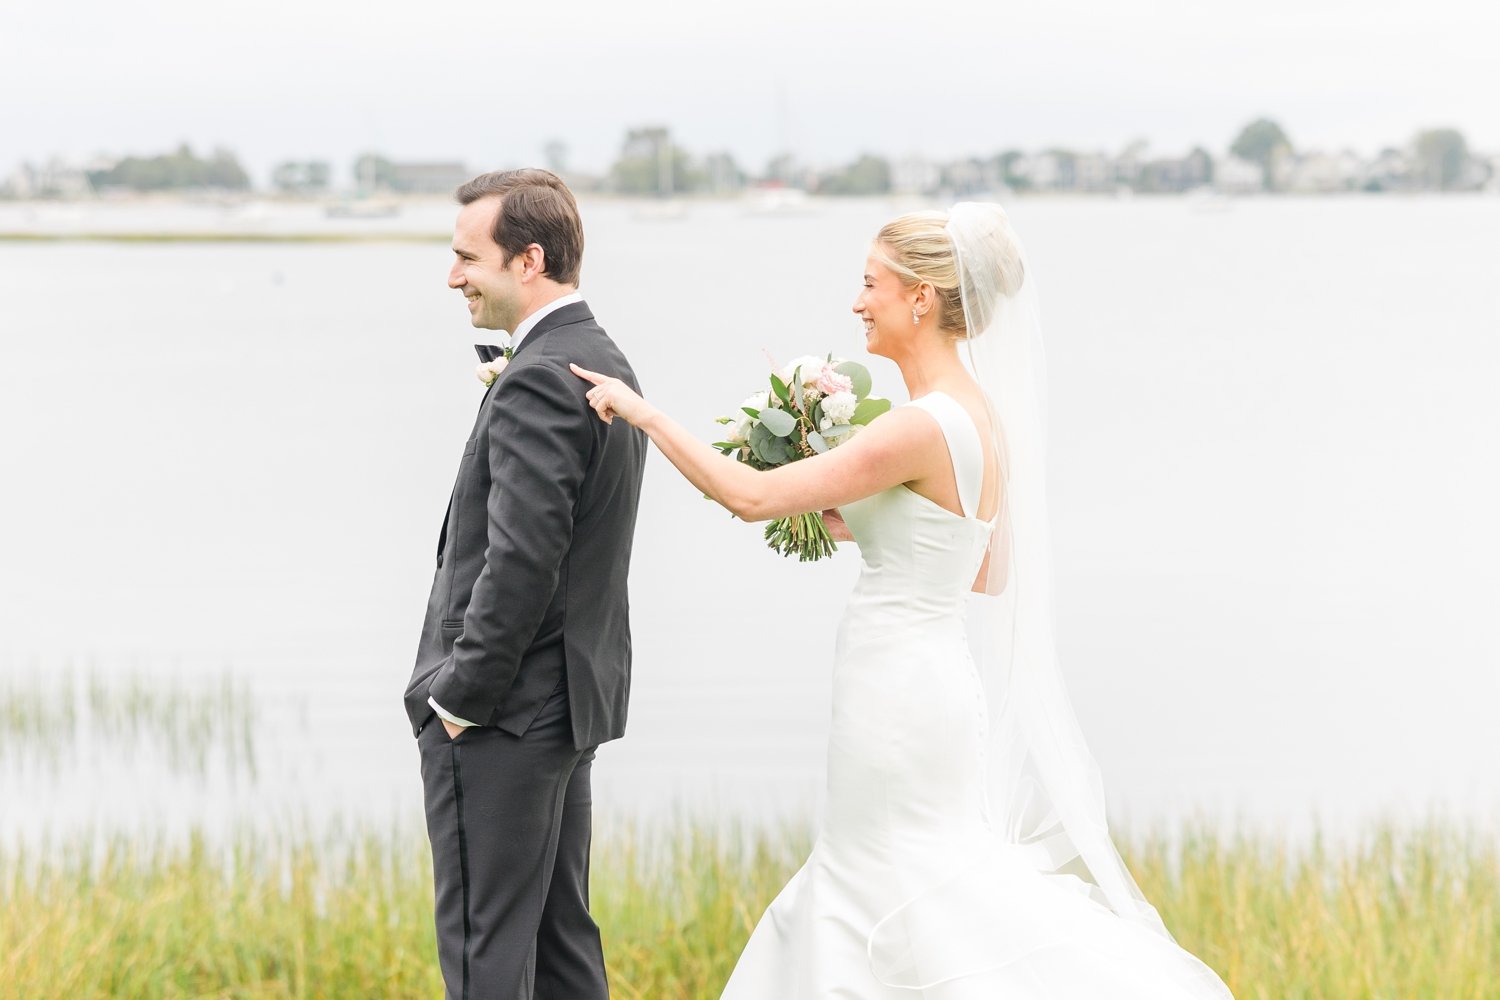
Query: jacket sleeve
{"points": [[540, 442]]}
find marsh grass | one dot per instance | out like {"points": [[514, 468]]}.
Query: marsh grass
{"points": [[223, 236], [1401, 915], [189, 725]]}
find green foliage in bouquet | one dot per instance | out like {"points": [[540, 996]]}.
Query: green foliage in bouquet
{"points": [[814, 404]]}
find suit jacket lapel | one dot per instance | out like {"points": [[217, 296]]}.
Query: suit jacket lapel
{"points": [[576, 312]]}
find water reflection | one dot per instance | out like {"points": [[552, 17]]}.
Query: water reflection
{"points": [[65, 725]]}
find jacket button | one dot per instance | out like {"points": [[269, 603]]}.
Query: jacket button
{"points": [[440, 559]]}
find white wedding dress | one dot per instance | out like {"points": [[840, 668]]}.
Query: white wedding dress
{"points": [[909, 892]]}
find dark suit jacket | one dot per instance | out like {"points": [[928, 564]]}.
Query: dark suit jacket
{"points": [[535, 549]]}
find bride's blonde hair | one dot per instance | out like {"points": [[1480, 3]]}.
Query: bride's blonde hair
{"points": [[917, 248]]}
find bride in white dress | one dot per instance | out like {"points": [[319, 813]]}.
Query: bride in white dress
{"points": [[964, 853]]}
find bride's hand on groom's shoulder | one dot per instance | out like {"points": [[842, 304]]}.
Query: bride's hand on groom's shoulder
{"points": [[612, 398]]}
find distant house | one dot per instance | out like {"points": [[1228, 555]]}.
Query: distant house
{"points": [[1039, 172], [1128, 165], [1318, 173], [1478, 174], [914, 175], [301, 177], [1177, 175], [1093, 172], [56, 179], [970, 176], [722, 174], [650, 142], [1233, 175], [1391, 170], [427, 178]]}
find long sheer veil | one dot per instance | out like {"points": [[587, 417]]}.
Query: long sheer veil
{"points": [[1044, 787]]}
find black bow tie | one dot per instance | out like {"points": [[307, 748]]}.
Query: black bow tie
{"points": [[489, 352]]}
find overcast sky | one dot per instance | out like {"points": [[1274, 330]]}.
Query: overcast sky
{"points": [[489, 83]]}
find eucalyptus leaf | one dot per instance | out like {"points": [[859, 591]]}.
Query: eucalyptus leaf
{"points": [[776, 451], [838, 431], [797, 390], [778, 422], [869, 409], [859, 375], [816, 442], [779, 387]]}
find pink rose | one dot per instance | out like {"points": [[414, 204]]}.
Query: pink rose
{"points": [[830, 382]]}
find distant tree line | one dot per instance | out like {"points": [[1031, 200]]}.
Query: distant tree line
{"points": [[1261, 157], [175, 171]]}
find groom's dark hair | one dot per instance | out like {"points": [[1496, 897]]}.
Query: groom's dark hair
{"points": [[535, 207]]}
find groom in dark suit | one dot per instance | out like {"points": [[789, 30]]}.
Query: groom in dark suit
{"points": [[524, 662]]}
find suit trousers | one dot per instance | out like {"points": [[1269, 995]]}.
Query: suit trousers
{"points": [[510, 826]]}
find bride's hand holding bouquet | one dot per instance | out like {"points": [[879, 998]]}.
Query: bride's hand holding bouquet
{"points": [[813, 405]]}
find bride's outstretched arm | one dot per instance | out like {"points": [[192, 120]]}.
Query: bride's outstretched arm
{"points": [[901, 447]]}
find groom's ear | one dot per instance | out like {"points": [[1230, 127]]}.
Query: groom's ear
{"points": [[534, 262]]}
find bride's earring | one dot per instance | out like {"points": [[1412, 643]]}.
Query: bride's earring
{"points": [[915, 319]]}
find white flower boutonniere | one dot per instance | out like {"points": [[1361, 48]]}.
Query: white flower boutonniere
{"points": [[488, 371]]}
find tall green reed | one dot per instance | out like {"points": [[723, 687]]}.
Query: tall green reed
{"points": [[1408, 913]]}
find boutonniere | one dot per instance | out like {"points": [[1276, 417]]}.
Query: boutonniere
{"points": [[488, 371], [492, 360]]}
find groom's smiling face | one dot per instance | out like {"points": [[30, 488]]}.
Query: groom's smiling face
{"points": [[490, 284]]}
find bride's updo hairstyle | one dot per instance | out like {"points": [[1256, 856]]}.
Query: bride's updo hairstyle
{"points": [[918, 248]]}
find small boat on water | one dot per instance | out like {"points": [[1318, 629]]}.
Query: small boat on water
{"points": [[363, 208], [779, 201], [662, 210]]}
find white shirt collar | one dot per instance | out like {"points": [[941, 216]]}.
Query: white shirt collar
{"points": [[529, 323]]}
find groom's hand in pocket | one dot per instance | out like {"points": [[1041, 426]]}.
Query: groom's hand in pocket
{"points": [[451, 729]]}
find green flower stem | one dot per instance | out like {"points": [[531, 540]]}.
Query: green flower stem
{"points": [[803, 535]]}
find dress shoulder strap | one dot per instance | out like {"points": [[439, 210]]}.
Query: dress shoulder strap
{"points": [[965, 448]]}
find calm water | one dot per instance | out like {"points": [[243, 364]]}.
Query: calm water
{"points": [[1274, 488]]}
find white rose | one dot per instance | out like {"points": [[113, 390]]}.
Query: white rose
{"points": [[735, 430], [840, 407], [811, 367], [488, 371], [756, 401]]}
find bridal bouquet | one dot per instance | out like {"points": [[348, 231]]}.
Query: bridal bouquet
{"points": [[813, 404]]}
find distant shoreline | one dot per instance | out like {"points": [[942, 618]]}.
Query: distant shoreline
{"points": [[153, 220], [220, 237]]}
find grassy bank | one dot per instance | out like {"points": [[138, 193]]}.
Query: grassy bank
{"points": [[223, 236], [1411, 914]]}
